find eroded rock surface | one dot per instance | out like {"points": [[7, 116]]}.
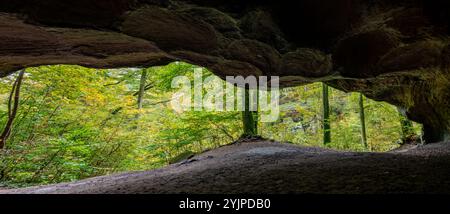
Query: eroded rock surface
{"points": [[395, 51], [260, 166]]}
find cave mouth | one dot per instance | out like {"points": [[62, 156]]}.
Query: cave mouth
{"points": [[396, 52], [75, 122], [95, 122]]}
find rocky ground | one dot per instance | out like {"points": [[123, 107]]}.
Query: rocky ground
{"points": [[261, 166]]}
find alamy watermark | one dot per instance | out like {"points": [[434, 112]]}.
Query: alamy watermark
{"points": [[214, 94]]}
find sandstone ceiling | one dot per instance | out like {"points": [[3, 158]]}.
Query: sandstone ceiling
{"points": [[394, 51]]}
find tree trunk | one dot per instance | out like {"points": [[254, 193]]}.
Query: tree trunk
{"points": [[15, 92], [255, 113], [326, 115], [255, 120], [362, 118], [142, 88], [247, 117], [140, 98]]}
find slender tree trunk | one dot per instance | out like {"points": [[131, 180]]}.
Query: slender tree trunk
{"points": [[326, 115], [142, 88], [141, 91], [247, 116], [256, 112], [12, 111], [362, 118], [255, 120]]}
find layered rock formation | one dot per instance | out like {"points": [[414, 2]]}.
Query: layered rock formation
{"points": [[397, 52]]}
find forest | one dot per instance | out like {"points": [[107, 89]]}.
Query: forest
{"points": [[64, 123]]}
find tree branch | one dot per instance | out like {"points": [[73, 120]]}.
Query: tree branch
{"points": [[12, 112]]}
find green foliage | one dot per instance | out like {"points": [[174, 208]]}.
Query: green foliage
{"points": [[301, 121], [76, 122]]}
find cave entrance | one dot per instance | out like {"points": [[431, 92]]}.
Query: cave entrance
{"points": [[75, 122]]}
